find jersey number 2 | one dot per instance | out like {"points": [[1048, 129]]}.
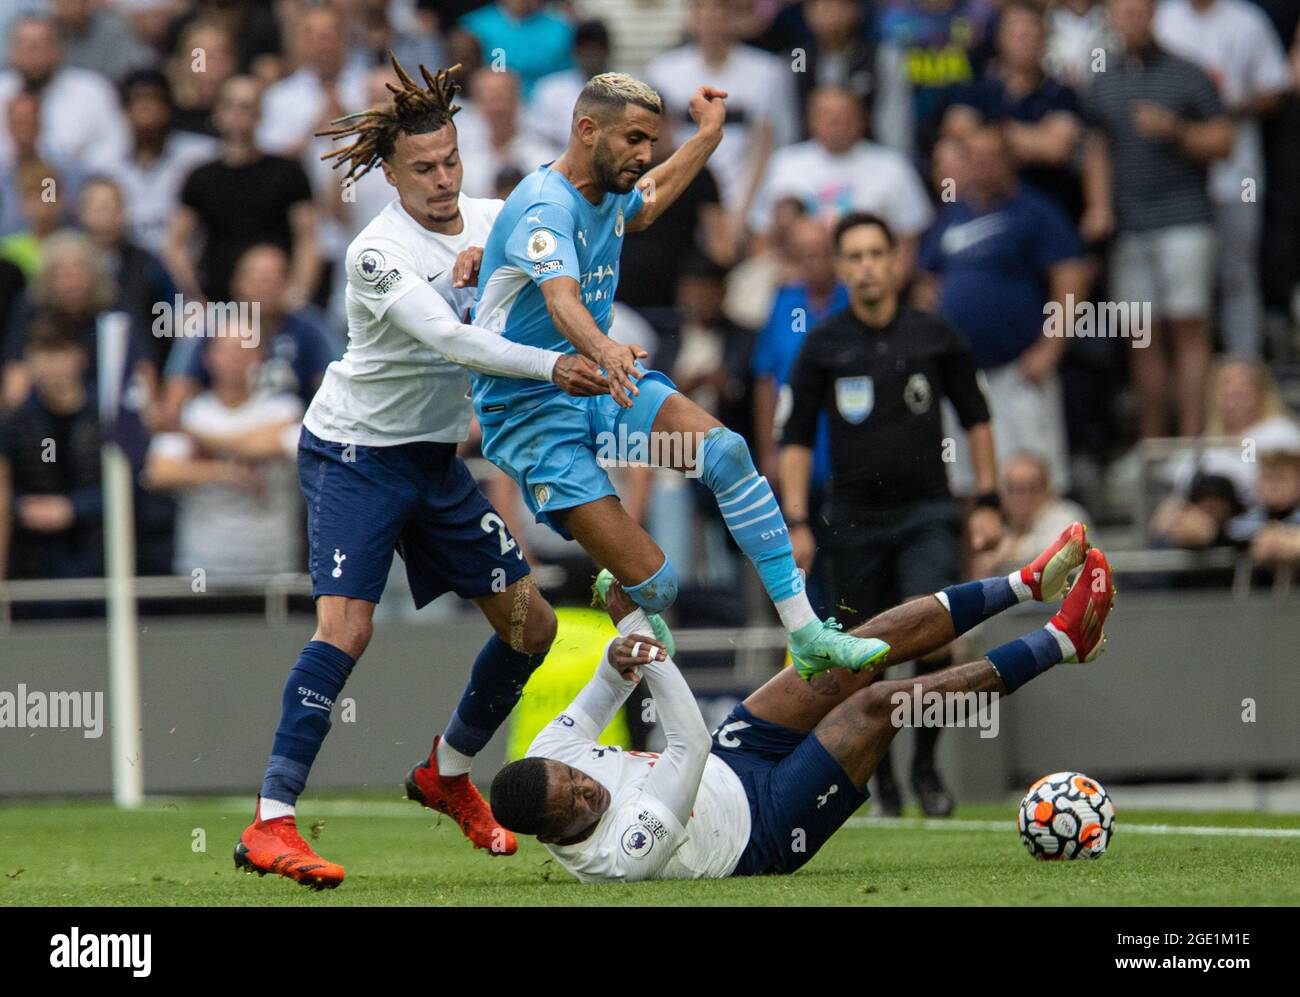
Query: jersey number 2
{"points": [[491, 521]]}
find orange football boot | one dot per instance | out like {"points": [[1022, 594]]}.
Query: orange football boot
{"points": [[1045, 575], [1083, 613], [460, 800], [276, 846]]}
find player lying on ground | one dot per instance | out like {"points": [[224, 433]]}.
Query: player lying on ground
{"points": [[549, 275], [377, 462], [790, 764]]}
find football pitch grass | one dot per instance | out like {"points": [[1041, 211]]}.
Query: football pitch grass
{"points": [[73, 853]]}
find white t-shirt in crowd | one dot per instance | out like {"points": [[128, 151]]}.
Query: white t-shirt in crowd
{"points": [[81, 120], [153, 190], [224, 529], [1234, 42], [482, 162], [1074, 43], [390, 388], [868, 177], [550, 112], [760, 88], [292, 107]]}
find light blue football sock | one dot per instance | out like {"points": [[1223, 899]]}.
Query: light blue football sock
{"points": [[754, 518]]}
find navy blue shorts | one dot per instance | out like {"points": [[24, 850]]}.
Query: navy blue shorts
{"points": [[418, 499], [798, 794]]}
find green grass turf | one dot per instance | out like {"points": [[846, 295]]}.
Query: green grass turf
{"points": [[88, 853]]}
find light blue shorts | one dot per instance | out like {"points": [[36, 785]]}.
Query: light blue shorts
{"points": [[550, 447]]}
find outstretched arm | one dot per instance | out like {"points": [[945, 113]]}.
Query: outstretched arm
{"points": [[650, 828], [563, 297], [675, 779], [423, 314], [617, 674], [385, 279], [665, 183]]}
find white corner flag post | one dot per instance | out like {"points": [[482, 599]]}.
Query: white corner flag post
{"points": [[119, 555]]}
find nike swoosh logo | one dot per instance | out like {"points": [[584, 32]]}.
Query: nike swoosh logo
{"points": [[315, 706], [435, 276]]}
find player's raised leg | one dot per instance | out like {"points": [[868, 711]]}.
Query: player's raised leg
{"points": [[857, 732], [920, 627], [524, 627], [752, 514], [627, 553]]}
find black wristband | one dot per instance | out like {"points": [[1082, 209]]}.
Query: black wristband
{"points": [[989, 500]]}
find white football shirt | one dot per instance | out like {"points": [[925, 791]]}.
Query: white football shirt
{"points": [[390, 388], [638, 837]]}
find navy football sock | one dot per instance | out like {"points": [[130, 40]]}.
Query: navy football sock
{"points": [[1021, 660], [971, 603], [495, 685], [309, 693]]}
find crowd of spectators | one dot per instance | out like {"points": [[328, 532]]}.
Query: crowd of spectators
{"points": [[1124, 172]]}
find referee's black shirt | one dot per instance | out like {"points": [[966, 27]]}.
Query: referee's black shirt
{"points": [[882, 389]]}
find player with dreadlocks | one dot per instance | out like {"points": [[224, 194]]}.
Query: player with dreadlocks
{"points": [[378, 466]]}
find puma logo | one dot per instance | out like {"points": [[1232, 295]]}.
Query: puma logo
{"points": [[338, 564]]}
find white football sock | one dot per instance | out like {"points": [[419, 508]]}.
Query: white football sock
{"points": [[1068, 650], [1023, 592], [796, 612], [450, 761], [271, 809]]}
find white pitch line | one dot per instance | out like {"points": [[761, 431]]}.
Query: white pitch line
{"points": [[331, 808], [380, 808], [1124, 827]]}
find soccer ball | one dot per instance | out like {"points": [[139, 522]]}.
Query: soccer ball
{"points": [[1066, 815]]}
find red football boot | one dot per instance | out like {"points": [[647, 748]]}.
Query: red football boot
{"points": [[460, 800], [276, 846], [1083, 613], [1045, 575]]}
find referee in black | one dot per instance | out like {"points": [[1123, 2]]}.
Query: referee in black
{"points": [[880, 369]]}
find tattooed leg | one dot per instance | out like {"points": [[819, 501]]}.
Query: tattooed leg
{"points": [[912, 630], [857, 732]]}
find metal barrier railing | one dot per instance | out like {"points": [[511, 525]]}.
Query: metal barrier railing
{"points": [[276, 590]]}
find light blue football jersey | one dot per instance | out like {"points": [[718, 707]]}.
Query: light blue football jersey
{"points": [[546, 229]]}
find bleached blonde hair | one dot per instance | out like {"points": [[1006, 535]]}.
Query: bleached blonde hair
{"points": [[609, 93]]}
